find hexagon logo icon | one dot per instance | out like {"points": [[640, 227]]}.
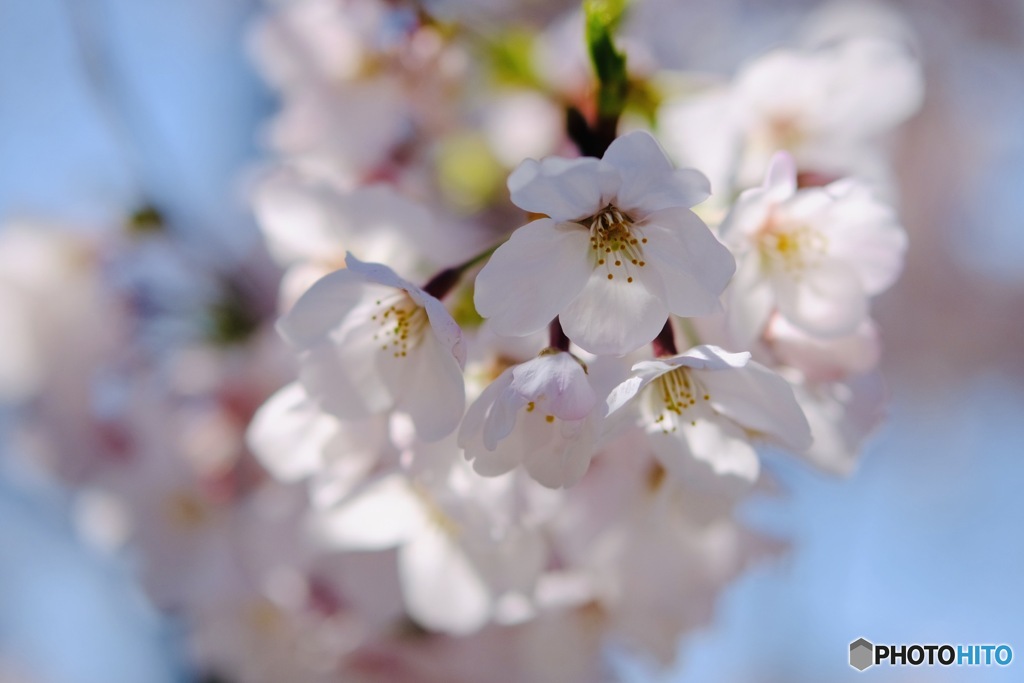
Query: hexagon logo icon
{"points": [[862, 654]]}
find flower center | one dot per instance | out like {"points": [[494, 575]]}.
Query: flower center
{"points": [[792, 250], [676, 396], [616, 244], [402, 323]]}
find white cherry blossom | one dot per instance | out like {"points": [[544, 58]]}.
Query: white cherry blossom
{"points": [[371, 342], [707, 405], [617, 252], [539, 414], [815, 255]]}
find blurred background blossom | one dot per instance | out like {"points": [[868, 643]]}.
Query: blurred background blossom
{"points": [[152, 115]]}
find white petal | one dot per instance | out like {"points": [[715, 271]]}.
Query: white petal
{"points": [[347, 458], [750, 301], [288, 434], [649, 181], [533, 276], [624, 393], [723, 447], [827, 300], [385, 514], [379, 274], [759, 400], [563, 189], [444, 328], [434, 391], [705, 456], [565, 459], [694, 266], [323, 307], [709, 357], [614, 317], [443, 591], [344, 376], [296, 219]]}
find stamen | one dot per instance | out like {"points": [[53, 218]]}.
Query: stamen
{"points": [[613, 232], [675, 393], [402, 324]]}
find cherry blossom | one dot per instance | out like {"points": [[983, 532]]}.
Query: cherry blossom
{"points": [[816, 255], [617, 252], [707, 405], [371, 342], [539, 414]]}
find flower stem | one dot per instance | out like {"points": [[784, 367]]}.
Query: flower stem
{"points": [[557, 337], [592, 141], [665, 343], [445, 281]]}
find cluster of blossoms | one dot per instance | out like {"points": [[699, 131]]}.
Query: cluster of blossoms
{"points": [[507, 447]]}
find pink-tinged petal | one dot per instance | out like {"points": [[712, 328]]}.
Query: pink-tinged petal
{"points": [[560, 379], [842, 415], [506, 455], [324, 306], [724, 448], [827, 300], [864, 232], [694, 266], [533, 276], [649, 181], [613, 317], [749, 302], [443, 591], [758, 400], [862, 68], [563, 189], [502, 417], [780, 181], [386, 513], [825, 360], [434, 392], [478, 415], [566, 459], [288, 434]]}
